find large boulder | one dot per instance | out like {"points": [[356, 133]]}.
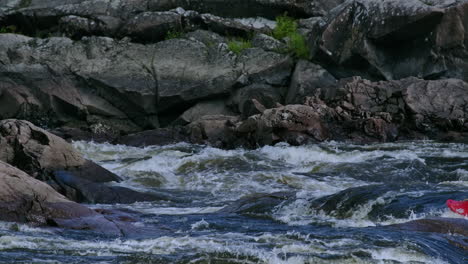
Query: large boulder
{"points": [[266, 67], [51, 159], [24, 199], [294, 124], [306, 80], [248, 99], [204, 108], [190, 71], [395, 39]]}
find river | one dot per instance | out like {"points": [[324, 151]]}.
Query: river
{"points": [[326, 203]]}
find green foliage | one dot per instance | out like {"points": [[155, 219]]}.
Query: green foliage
{"points": [[239, 45], [286, 28], [173, 34], [8, 29], [298, 46]]}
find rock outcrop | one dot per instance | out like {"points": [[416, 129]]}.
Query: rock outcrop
{"points": [[51, 159], [395, 39], [126, 67], [24, 199]]}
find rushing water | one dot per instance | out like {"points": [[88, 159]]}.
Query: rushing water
{"points": [[328, 203]]}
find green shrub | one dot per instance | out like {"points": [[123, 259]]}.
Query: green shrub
{"points": [[8, 29], [286, 27], [298, 46], [239, 45], [173, 34]]}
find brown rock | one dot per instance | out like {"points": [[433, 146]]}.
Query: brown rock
{"points": [[294, 124]]}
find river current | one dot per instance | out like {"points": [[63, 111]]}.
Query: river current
{"points": [[326, 203]]}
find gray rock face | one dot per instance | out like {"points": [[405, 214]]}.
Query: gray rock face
{"points": [[396, 39], [204, 108], [214, 130], [267, 43], [442, 103], [109, 84], [271, 68], [248, 97], [189, 71], [307, 78]]}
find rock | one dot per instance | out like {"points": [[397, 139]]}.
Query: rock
{"points": [[257, 204], [113, 86], [210, 39], [190, 71], [51, 159], [76, 26], [81, 83], [265, 97], [395, 39], [262, 8], [294, 124], [437, 225], [307, 78], [267, 43], [214, 130], [235, 27], [204, 108], [441, 103], [151, 26], [266, 67], [84, 190], [158, 137], [34, 150], [26, 200]]}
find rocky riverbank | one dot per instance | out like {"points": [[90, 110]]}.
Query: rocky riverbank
{"points": [[143, 72]]}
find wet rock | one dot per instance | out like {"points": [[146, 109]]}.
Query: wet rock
{"points": [[158, 137], [26, 200], [85, 190], [34, 150], [295, 124], [257, 204], [51, 159], [214, 130], [452, 226], [305, 81]]}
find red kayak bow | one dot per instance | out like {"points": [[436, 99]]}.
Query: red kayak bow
{"points": [[459, 207]]}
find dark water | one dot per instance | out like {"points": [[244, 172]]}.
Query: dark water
{"points": [[330, 203]]}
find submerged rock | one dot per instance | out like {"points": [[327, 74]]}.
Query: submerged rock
{"points": [[451, 226]]}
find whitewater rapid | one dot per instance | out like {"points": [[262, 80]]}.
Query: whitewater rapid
{"points": [[339, 201]]}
